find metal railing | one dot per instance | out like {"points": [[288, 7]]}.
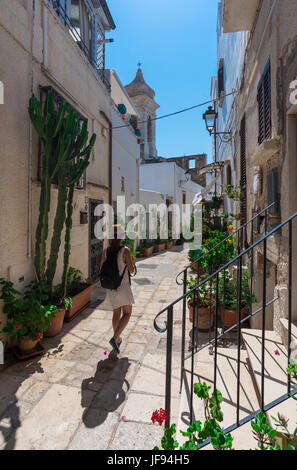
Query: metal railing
{"points": [[97, 61], [216, 279]]}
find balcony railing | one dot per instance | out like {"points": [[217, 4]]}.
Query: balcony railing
{"points": [[95, 48], [285, 229]]}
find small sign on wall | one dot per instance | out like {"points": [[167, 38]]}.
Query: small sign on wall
{"points": [[83, 217]]}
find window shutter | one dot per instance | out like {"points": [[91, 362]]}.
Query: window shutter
{"points": [[221, 79], [264, 105], [267, 102], [243, 179], [272, 191]]}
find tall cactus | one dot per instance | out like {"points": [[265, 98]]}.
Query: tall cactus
{"points": [[77, 173], [72, 141], [48, 123]]}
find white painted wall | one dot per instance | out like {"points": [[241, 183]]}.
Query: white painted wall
{"points": [[169, 179], [125, 149]]}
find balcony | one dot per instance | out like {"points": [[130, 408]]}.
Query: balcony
{"points": [[239, 15], [87, 24]]}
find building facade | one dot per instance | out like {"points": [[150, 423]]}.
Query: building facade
{"points": [[264, 130], [125, 146], [58, 46]]}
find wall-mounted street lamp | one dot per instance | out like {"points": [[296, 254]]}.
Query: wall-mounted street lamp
{"points": [[187, 176], [210, 116]]}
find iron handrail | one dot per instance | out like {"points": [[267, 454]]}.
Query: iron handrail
{"points": [[222, 241], [238, 323], [223, 268]]}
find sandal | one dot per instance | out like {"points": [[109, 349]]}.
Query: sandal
{"points": [[113, 343]]}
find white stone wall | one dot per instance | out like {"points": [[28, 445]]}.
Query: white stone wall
{"points": [[22, 71]]}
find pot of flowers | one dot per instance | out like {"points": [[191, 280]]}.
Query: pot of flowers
{"points": [[79, 290], [57, 319], [27, 317], [203, 316], [162, 245], [149, 251], [228, 299]]}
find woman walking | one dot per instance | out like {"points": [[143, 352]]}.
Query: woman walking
{"points": [[117, 262]]}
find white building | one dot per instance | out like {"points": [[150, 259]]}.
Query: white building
{"points": [[125, 148], [169, 180]]}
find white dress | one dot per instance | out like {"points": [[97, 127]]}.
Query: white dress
{"points": [[123, 295]]}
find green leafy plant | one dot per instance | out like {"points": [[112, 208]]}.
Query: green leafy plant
{"points": [[206, 292], [26, 313], [75, 282], [198, 432], [227, 295], [216, 256], [232, 192], [264, 433]]}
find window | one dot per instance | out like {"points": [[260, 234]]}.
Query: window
{"points": [[123, 184], [272, 191], [81, 22], [228, 175], [83, 25], [221, 82], [264, 105]]}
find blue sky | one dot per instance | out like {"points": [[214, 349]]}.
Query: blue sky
{"points": [[176, 43]]}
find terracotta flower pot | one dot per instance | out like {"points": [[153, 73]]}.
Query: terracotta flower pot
{"points": [[204, 315], [162, 246], [149, 251], [56, 324], [229, 317], [26, 344], [79, 302], [169, 245]]}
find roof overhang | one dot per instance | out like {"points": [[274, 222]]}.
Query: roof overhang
{"points": [[239, 15], [103, 11]]}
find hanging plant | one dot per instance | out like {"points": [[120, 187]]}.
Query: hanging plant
{"points": [[122, 109]]}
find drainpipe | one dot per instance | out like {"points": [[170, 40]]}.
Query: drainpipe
{"points": [[45, 35], [30, 150], [110, 155]]}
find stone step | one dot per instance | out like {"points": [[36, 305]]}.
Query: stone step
{"points": [[275, 375], [227, 384], [284, 333]]}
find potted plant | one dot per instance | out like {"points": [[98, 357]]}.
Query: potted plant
{"points": [[27, 317], [203, 317], [169, 244], [194, 255], [57, 320], [228, 298], [216, 253], [79, 290]]}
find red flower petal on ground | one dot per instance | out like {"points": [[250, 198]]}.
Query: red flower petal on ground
{"points": [[276, 352]]}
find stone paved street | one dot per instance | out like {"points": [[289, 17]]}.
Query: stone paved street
{"points": [[79, 395]]}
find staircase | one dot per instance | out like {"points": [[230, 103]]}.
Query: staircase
{"points": [[275, 383], [251, 374]]}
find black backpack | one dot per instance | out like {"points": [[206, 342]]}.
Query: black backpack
{"points": [[109, 275]]}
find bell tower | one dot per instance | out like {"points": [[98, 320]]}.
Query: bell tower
{"points": [[143, 97]]}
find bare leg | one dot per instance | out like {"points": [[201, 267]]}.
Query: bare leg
{"points": [[127, 310], [116, 319]]}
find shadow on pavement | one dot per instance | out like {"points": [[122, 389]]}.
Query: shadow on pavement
{"points": [[112, 390]]}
